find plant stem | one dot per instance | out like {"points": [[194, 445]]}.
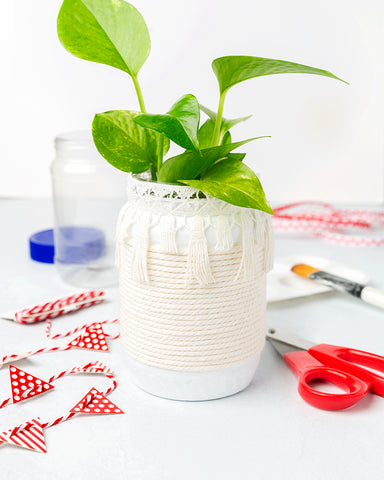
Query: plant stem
{"points": [[216, 131], [153, 173], [160, 150], [139, 94]]}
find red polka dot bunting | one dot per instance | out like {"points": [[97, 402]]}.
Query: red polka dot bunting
{"points": [[24, 385], [92, 338], [95, 402]]}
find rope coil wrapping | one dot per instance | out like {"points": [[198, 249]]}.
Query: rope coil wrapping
{"points": [[193, 307]]}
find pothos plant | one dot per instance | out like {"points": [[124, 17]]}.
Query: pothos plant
{"points": [[114, 33]]}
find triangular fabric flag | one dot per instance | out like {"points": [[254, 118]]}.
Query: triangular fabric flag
{"points": [[24, 385], [29, 435], [92, 338], [95, 402], [92, 367]]}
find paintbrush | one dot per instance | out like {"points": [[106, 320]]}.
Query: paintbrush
{"points": [[366, 293]]}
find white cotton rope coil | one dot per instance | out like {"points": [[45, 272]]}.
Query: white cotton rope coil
{"points": [[193, 307]]}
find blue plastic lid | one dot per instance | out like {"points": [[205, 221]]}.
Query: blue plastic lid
{"points": [[41, 246]]}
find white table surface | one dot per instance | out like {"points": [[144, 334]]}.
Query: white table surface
{"points": [[265, 432]]}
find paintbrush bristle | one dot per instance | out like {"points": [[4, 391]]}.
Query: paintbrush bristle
{"points": [[303, 270]]}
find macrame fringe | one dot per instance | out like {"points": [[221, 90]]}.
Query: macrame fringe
{"points": [[149, 205], [124, 221], [248, 264], [198, 266], [141, 240], [269, 251], [259, 226], [168, 235], [224, 235]]}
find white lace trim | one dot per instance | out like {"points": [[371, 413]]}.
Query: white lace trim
{"points": [[158, 205]]}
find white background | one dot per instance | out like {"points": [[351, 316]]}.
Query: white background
{"points": [[327, 137]]}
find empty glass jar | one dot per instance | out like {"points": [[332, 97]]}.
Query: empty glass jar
{"points": [[87, 196]]}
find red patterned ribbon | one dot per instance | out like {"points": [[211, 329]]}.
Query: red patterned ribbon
{"points": [[354, 227]]}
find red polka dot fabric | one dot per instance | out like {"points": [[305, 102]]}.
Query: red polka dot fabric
{"points": [[24, 385], [95, 402], [93, 338]]}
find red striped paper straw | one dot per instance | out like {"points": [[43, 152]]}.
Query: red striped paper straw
{"points": [[59, 307]]}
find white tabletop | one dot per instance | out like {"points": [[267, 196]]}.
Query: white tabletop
{"points": [[265, 432]]}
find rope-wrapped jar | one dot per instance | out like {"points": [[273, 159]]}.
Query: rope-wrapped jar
{"points": [[192, 288]]}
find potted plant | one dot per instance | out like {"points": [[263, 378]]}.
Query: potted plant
{"points": [[195, 238]]}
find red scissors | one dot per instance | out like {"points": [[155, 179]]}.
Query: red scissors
{"points": [[340, 366]]}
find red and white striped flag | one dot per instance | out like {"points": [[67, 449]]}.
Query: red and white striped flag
{"points": [[28, 435]]}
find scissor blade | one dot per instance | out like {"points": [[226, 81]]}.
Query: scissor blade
{"points": [[285, 342]]}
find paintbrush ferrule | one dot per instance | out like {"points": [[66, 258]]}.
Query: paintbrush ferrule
{"points": [[338, 283]]}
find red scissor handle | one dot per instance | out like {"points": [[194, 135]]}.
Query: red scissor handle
{"points": [[352, 361], [307, 368]]}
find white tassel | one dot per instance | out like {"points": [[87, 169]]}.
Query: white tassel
{"points": [[269, 250], [260, 226], [168, 234], [140, 248], [223, 233], [198, 266], [248, 262], [124, 221]]}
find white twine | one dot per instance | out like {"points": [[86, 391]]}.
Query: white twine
{"points": [[197, 308]]}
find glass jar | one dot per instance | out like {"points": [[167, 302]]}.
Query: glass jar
{"points": [[87, 196]]}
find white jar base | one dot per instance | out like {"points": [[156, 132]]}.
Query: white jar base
{"points": [[192, 386]]}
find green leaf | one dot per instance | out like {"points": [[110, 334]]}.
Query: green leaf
{"points": [[123, 143], [111, 32], [205, 135], [235, 183], [226, 139], [235, 69], [225, 125], [180, 124], [189, 165], [236, 156]]}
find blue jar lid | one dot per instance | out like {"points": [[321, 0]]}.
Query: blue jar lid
{"points": [[77, 245], [41, 246]]}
